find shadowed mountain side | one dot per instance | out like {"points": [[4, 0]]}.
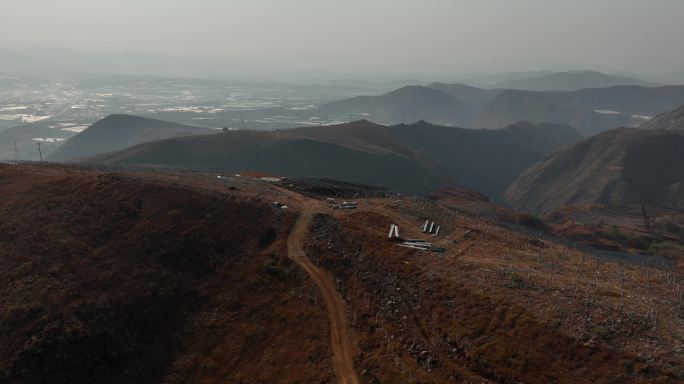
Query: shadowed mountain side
{"points": [[615, 168], [301, 157], [416, 158], [671, 120], [487, 160], [116, 132]]}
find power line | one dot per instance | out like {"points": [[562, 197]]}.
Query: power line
{"points": [[40, 153]]}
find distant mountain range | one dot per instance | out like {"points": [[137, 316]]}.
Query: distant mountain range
{"points": [[587, 110], [571, 81], [416, 158], [490, 80], [471, 95], [617, 168], [438, 103], [406, 104], [116, 132]]}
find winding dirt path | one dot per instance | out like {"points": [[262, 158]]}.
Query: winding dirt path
{"points": [[342, 350]]}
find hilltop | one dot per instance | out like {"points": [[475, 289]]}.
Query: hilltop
{"points": [[137, 278], [118, 131], [472, 95], [437, 103], [404, 105]]}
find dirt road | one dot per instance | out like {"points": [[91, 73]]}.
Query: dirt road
{"points": [[340, 343]]}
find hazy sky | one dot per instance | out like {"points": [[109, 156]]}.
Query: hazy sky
{"points": [[368, 36]]}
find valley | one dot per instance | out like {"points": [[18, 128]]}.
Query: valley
{"points": [[50, 112]]}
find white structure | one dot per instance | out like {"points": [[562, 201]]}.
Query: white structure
{"points": [[431, 228], [393, 232]]}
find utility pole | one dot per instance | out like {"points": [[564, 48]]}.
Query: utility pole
{"points": [[40, 153]]}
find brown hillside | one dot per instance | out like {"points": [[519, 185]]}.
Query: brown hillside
{"points": [[496, 307], [113, 278]]}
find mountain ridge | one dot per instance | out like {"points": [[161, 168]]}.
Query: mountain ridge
{"points": [[587, 110], [119, 131], [415, 158], [406, 104], [572, 81], [671, 120], [617, 168]]}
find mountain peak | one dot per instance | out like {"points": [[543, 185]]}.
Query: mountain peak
{"points": [[119, 131]]}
